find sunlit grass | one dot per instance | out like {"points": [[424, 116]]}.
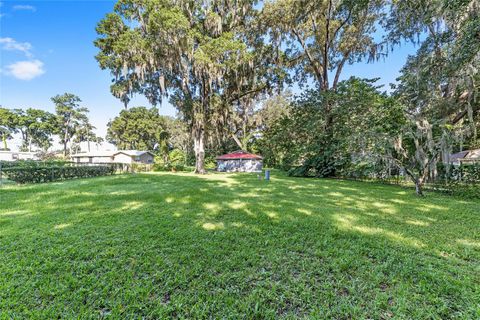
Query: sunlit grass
{"points": [[232, 246]]}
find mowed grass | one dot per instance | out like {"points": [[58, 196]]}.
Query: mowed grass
{"points": [[148, 246]]}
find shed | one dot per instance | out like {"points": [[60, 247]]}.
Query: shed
{"points": [[239, 161]]}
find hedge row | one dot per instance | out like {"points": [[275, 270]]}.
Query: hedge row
{"points": [[55, 173], [33, 163]]}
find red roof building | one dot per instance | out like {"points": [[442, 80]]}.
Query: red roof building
{"points": [[239, 161], [237, 155]]}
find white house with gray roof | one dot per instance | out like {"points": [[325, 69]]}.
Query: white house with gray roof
{"points": [[17, 155], [119, 156]]}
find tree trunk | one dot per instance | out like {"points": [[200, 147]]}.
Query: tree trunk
{"points": [[418, 181], [239, 144], [419, 186], [198, 133], [4, 139], [65, 141]]}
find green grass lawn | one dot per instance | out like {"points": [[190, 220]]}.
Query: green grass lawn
{"points": [[232, 246]]}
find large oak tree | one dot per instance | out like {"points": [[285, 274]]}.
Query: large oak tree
{"points": [[438, 86], [322, 36], [195, 52]]}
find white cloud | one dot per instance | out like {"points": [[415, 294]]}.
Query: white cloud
{"points": [[23, 7], [26, 70], [13, 45]]}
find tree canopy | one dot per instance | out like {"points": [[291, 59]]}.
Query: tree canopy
{"points": [[201, 54], [138, 128]]}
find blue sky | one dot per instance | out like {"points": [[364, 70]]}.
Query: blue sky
{"points": [[47, 49]]}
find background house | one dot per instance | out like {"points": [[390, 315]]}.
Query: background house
{"points": [[467, 156], [120, 156], [94, 157], [239, 161], [17, 155], [133, 156]]}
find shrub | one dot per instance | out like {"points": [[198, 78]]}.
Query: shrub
{"points": [[168, 167], [39, 174], [177, 157], [466, 173], [176, 162], [161, 167], [463, 180], [323, 165], [140, 167], [178, 167]]}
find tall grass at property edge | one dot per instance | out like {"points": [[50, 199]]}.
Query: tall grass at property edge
{"points": [[163, 245]]}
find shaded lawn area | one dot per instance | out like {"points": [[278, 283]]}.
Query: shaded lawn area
{"points": [[232, 246]]}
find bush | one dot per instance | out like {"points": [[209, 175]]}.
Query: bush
{"points": [[176, 162], [140, 167], [168, 167], [463, 180], [177, 157], [465, 173], [39, 174], [323, 165], [157, 167], [178, 167]]}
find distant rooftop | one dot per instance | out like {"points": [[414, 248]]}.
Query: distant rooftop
{"points": [[22, 152], [458, 155], [132, 152], [109, 153], [467, 155], [106, 153], [240, 154]]}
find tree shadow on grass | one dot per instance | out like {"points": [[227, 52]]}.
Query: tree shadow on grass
{"points": [[299, 246]]}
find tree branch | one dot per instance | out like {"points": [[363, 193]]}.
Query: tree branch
{"points": [[342, 24], [459, 116], [246, 93], [317, 71], [326, 47], [339, 71]]}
